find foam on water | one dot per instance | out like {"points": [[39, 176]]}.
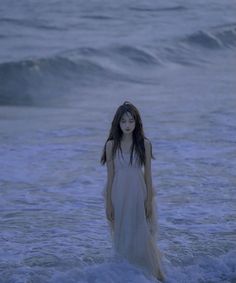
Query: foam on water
{"points": [[205, 269], [53, 225], [110, 272]]}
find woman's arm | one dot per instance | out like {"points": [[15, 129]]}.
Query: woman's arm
{"points": [[110, 169], [148, 170]]}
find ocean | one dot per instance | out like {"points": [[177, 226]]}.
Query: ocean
{"points": [[65, 67]]}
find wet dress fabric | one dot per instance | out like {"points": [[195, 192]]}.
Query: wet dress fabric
{"points": [[134, 236]]}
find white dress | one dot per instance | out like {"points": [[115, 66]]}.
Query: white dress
{"points": [[134, 237]]}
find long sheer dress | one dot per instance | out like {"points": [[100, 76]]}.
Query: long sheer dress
{"points": [[133, 235]]}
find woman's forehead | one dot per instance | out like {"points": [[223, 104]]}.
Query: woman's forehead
{"points": [[126, 115]]}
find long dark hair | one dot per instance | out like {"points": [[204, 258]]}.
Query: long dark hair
{"points": [[116, 134]]}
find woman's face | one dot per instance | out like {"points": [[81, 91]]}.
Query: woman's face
{"points": [[127, 123]]}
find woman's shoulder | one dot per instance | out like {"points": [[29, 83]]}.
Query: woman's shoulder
{"points": [[109, 145], [147, 143], [148, 148]]}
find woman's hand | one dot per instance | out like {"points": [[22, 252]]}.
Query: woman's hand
{"points": [[148, 208], [110, 211]]}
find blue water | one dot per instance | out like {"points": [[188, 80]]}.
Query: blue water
{"points": [[65, 66]]}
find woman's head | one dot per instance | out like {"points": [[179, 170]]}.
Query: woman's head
{"points": [[127, 121], [126, 117]]}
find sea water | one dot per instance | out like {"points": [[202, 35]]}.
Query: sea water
{"points": [[65, 67]]}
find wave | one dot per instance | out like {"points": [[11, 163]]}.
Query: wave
{"points": [[46, 81], [30, 24], [97, 17], [28, 82], [137, 55], [219, 37], [159, 9]]}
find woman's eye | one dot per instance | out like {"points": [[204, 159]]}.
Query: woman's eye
{"points": [[131, 121]]}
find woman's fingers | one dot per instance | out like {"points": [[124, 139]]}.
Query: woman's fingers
{"points": [[110, 212], [110, 216], [148, 211]]}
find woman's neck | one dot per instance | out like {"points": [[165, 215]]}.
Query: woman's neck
{"points": [[126, 143], [127, 139]]}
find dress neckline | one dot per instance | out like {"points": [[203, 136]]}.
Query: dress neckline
{"points": [[126, 153]]}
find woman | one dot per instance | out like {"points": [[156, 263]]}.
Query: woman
{"points": [[128, 194]]}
